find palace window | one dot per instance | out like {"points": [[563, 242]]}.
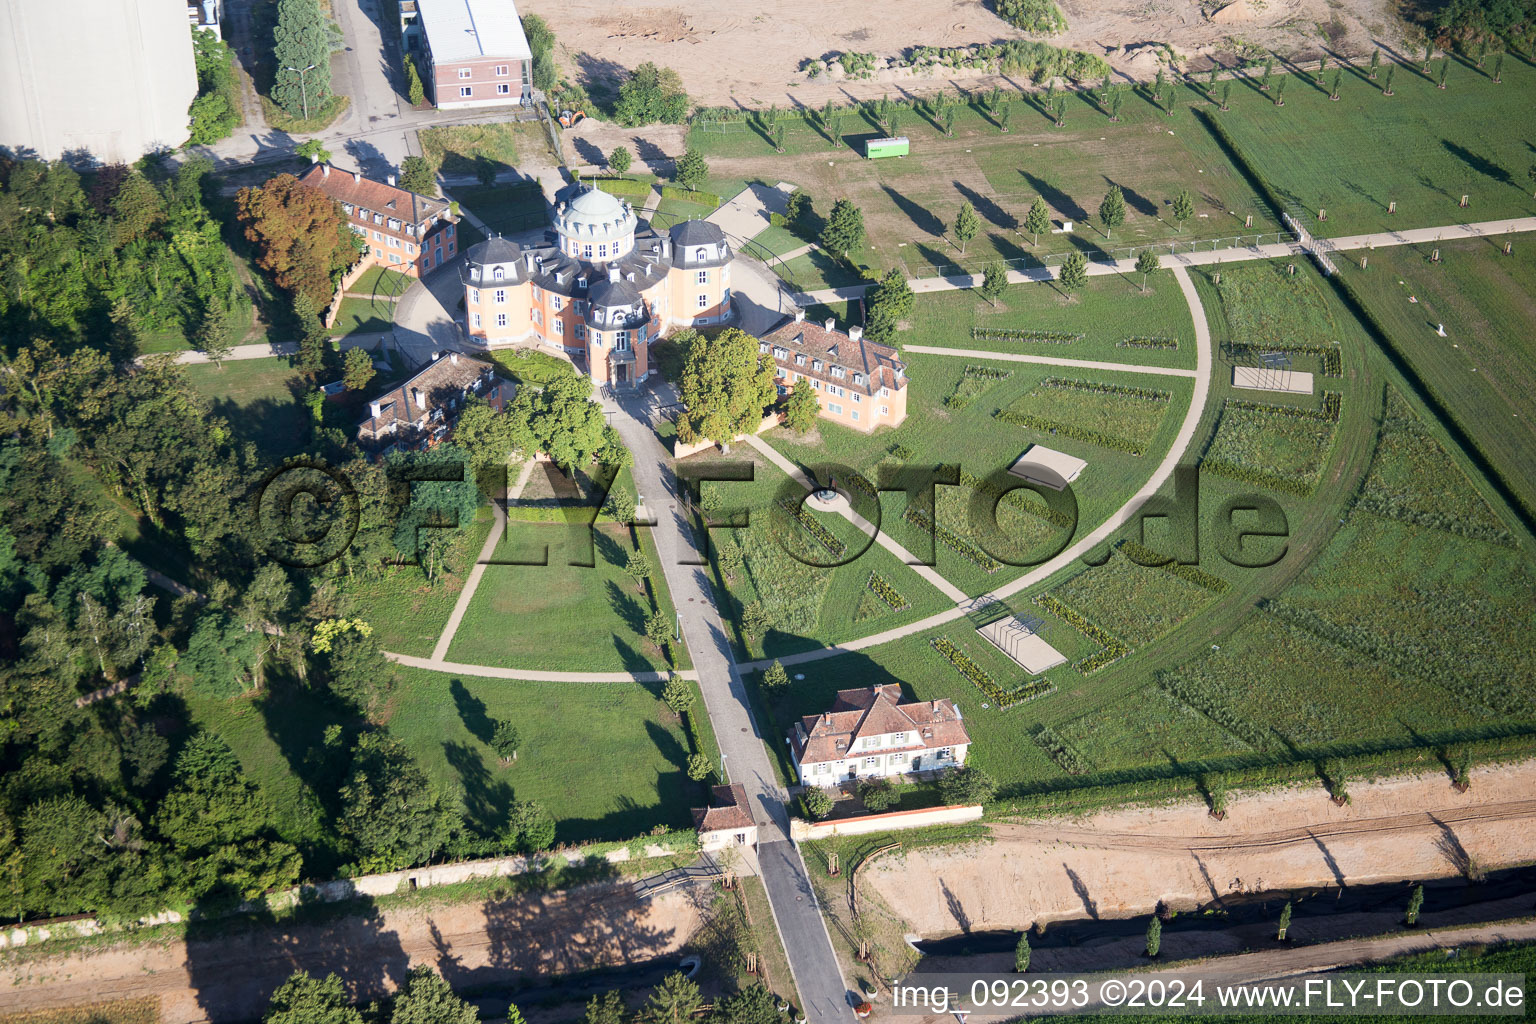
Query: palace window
{"points": [[703, 277], [501, 319], [501, 296]]}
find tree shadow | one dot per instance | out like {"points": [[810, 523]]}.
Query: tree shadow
{"points": [[625, 606], [1090, 906], [988, 208], [471, 712], [1135, 200], [1055, 198], [373, 163], [955, 907], [652, 156], [486, 800], [630, 656], [234, 965], [1482, 165], [587, 150], [1328, 858]]}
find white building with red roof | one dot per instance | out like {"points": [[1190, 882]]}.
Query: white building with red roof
{"points": [[727, 821], [872, 731]]}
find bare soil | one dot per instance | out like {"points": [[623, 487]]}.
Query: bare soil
{"points": [[229, 975], [755, 56], [1121, 863]]}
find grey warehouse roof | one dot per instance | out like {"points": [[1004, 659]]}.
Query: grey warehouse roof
{"points": [[470, 29]]}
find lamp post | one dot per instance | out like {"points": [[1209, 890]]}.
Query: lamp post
{"points": [[303, 91]]}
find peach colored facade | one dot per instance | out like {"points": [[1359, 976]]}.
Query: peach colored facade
{"points": [[860, 384], [602, 289], [408, 233]]}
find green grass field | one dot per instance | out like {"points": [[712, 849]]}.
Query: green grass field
{"points": [[380, 281], [261, 398], [1483, 368], [1422, 148], [558, 616], [363, 316]]}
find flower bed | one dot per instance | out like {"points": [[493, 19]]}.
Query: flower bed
{"points": [[1018, 334], [952, 540], [1139, 341], [1111, 650], [1058, 750], [983, 680], [885, 592], [1101, 388], [1118, 444], [986, 372], [825, 536]]}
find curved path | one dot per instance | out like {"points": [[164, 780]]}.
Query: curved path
{"points": [[1204, 359], [534, 675]]}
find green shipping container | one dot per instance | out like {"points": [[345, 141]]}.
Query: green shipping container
{"points": [[874, 149]]}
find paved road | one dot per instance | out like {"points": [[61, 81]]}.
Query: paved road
{"points": [[809, 948], [1381, 239], [1020, 357]]}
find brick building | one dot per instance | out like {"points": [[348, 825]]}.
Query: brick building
{"points": [[601, 287], [406, 232], [859, 383], [474, 53]]}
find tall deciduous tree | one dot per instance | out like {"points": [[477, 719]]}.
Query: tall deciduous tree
{"points": [[844, 232], [391, 815], [1146, 263], [301, 236], [691, 170], [301, 38], [994, 280], [1038, 219], [427, 999], [1112, 210], [1074, 273], [726, 385], [303, 999], [966, 225], [801, 407], [619, 159], [889, 302], [1183, 207]]}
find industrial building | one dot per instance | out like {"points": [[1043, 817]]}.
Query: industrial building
{"points": [[102, 81]]}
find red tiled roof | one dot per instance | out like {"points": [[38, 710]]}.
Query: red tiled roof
{"points": [[880, 364], [378, 196], [730, 810], [876, 711]]}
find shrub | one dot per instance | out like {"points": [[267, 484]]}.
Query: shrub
{"points": [[649, 95], [885, 592], [966, 785], [699, 767], [878, 795], [983, 681], [691, 195], [815, 804], [1038, 16], [1144, 342], [796, 511], [1025, 334], [1111, 649]]}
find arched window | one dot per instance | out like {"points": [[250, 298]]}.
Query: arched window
{"points": [[498, 273]]}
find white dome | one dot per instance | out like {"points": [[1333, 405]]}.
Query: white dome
{"points": [[596, 216]]}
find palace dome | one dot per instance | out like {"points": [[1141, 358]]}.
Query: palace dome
{"points": [[595, 216]]}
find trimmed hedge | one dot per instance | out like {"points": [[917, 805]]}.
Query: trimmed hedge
{"points": [[1040, 423], [952, 540], [986, 372], [1100, 387], [1111, 650], [1017, 499], [1022, 334], [825, 536], [622, 186], [885, 592], [678, 192], [1138, 341], [984, 682]]}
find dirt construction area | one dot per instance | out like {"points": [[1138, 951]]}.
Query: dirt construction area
{"points": [[228, 975], [731, 55], [1121, 863]]}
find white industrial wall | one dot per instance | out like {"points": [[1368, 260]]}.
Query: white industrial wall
{"points": [[110, 77]]}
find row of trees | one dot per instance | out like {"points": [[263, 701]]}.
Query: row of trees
{"points": [[217, 110]]}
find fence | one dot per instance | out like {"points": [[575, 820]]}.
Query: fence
{"points": [[1304, 237], [801, 831]]}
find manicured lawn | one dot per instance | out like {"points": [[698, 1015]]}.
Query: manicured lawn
{"points": [[1422, 148], [779, 240], [670, 211], [1484, 367], [380, 281], [408, 613], [505, 208], [1107, 312], [364, 316], [558, 616], [605, 759], [261, 398]]}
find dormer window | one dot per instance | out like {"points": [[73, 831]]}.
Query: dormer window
{"points": [[858, 378], [701, 254], [780, 353], [498, 273], [838, 372], [762, 347], [816, 364], [799, 359]]}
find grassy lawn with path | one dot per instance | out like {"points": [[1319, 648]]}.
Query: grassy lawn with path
{"points": [[261, 398]]}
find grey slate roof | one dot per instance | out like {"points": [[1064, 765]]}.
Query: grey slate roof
{"points": [[613, 293], [696, 232]]}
